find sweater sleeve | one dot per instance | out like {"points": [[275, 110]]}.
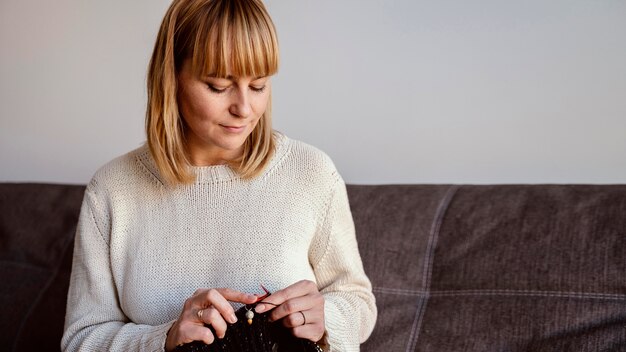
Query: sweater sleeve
{"points": [[94, 320], [349, 308]]}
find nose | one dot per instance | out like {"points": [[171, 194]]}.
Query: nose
{"points": [[240, 106]]}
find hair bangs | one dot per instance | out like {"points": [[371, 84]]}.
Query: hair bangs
{"points": [[235, 38]]}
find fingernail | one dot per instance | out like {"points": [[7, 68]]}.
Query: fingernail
{"points": [[233, 318], [251, 296], [260, 308]]}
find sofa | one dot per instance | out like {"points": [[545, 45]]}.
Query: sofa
{"points": [[453, 267]]}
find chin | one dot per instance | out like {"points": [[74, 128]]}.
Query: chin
{"points": [[232, 143]]}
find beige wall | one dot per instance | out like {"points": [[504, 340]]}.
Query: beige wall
{"points": [[399, 91]]}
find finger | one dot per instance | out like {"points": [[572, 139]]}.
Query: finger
{"points": [[304, 318], [298, 289], [313, 332], [237, 296], [214, 298], [201, 333], [198, 333], [200, 296], [297, 319], [213, 317], [291, 306]]}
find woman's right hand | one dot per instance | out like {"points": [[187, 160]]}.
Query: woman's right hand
{"points": [[205, 306]]}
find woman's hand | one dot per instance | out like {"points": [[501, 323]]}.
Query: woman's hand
{"points": [[301, 308], [205, 306]]}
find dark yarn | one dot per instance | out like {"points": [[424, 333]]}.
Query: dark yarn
{"points": [[261, 336]]}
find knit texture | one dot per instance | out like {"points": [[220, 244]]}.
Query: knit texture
{"points": [[142, 248]]}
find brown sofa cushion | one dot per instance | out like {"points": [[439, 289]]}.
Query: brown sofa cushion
{"points": [[37, 225], [495, 268]]}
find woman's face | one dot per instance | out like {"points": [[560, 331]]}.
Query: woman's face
{"points": [[219, 113]]}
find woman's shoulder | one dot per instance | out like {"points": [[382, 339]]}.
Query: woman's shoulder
{"points": [[130, 168], [308, 160]]}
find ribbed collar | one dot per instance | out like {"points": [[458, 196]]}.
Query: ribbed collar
{"points": [[214, 173]]}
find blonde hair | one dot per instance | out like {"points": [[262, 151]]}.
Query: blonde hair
{"points": [[221, 37]]}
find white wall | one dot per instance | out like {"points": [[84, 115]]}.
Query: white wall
{"points": [[395, 91]]}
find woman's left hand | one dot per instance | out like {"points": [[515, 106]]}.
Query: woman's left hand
{"points": [[301, 308]]}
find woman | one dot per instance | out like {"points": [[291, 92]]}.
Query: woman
{"points": [[215, 204]]}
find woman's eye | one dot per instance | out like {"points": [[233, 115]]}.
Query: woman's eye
{"points": [[258, 89], [215, 89]]}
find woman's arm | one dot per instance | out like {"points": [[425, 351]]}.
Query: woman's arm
{"points": [[339, 310], [94, 320], [349, 304]]}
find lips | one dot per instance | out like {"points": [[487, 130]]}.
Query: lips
{"points": [[234, 128]]}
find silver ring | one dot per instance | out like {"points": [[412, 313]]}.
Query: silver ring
{"points": [[199, 313], [303, 317]]}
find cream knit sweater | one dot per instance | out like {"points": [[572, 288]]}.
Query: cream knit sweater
{"points": [[142, 248]]}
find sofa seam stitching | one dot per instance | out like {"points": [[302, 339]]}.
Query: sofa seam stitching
{"points": [[529, 293], [522, 293], [428, 260]]}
